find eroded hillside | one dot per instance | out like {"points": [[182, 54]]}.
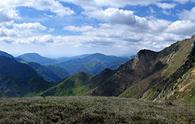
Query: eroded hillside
{"points": [[168, 74]]}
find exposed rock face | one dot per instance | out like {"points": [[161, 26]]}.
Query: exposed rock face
{"points": [[177, 83], [150, 75], [143, 65]]}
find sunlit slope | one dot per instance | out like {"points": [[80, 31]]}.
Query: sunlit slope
{"points": [[152, 75], [75, 85]]}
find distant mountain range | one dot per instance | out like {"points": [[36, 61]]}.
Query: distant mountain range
{"points": [[165, 75], [88, 63], [34, 57], [92, 64], [50, 73], [19, 79], [31, 74]]}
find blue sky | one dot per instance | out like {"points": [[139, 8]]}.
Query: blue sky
{"points": [[58, 28]]}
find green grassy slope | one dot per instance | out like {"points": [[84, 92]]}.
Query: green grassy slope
{"points": [[92, 110], [163, 75], [173, 57], [75, 85], [177, 76], [167, 82]]}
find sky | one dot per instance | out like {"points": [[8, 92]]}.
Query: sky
{"points": [[57, 28]]}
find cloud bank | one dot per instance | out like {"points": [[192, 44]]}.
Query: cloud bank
{"points": [[72, 27]]}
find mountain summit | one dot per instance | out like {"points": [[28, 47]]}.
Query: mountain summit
{"points": [[35, 57], [4, 54], [168, 74], [92, 63], [18, 79], [165, 75]]}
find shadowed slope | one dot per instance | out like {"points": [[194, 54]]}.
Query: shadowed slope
{"points": [[152, 75]]}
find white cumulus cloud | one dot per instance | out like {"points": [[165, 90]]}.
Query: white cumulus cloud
{"points": [[45, 5]]}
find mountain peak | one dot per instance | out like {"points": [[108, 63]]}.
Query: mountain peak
{"points": [[193, 37], [146, 52], [97, 54], [31, 54], [152, 75], [2, 53], [35, 57]]}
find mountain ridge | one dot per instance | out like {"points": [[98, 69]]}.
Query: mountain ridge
{"points": [[168, 74], [35, 57], [89, 63], [141, 76], [75, 85], [93, 63], [19, 79], [49, 73]]}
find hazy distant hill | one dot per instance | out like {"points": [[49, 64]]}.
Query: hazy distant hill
{"points": [[89, 63], [63, 59], [93, 63], [60, 72], [34, 57], [4, 54], [50, 73], [18, 79]]}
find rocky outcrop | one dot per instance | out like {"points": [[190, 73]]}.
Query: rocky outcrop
{"points": [[150, 75]]}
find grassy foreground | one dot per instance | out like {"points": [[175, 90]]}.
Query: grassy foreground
{"points": [[92, 110]]}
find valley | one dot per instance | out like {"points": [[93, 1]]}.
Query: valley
{"points": [[97, 62], [152, 87]]}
